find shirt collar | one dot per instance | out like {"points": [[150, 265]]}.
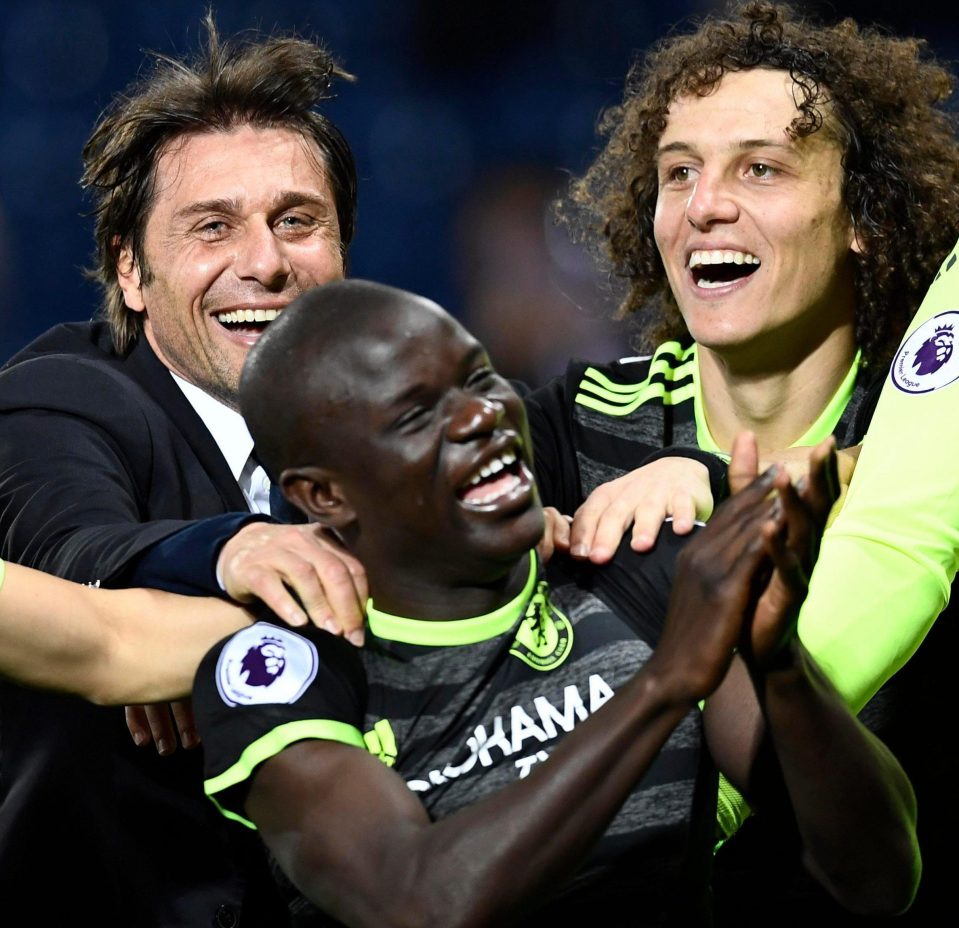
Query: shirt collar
{"points": [[824, 425], [454, 631], [226, 425]]}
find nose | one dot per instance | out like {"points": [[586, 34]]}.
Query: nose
{"points": [[474, 416], [262, 257], [711, 201]]}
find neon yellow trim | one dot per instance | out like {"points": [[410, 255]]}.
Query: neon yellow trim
{"points": [[626, 398], [829, 418], [443, 633], [657, 365], [822, 428], [669, 396], [269, 745]]}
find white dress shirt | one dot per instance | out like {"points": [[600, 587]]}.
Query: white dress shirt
{"points": [[233, 438]]}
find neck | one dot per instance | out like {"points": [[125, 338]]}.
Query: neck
{"points": [[444, 597], [776, 399]]}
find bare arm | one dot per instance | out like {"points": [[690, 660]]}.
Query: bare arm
{"points": [[109, 646], [781, 733]]}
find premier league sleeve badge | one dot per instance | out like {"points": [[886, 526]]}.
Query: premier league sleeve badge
{"points": [[265, 664], [927, 359]]}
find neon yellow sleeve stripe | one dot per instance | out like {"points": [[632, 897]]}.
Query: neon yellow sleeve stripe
{"points": [[269, 745], [622, 399], [887, 562], [665, 392], [676, 369]]}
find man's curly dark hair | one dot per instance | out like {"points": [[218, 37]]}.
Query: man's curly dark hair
{"points": [[883, 98]]}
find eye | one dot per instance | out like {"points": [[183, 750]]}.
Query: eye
{"points": [[295, 223], [679, 174], [212, 228], [480, 378], [414, 418], [761, 170]]}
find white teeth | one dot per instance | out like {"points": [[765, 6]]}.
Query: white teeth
{"points": [[493, 467], [514, 480], [248, 315], [699, 258]]}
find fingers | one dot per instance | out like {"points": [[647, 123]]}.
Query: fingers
{"points": [[556, 533], [300, 573], [644, 498], [152, 723], [820, 489], [137, 725], [687, 509], [648, 521], [714, 588], [787, 565], [185, 724], [744, 462], [586, 521]]}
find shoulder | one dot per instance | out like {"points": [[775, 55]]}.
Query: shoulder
{"points": [[635, 586], [268, 663], [667, 376], [71, 369], [265, 688]]}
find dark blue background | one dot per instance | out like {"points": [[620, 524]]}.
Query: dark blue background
{"points": [[465, 118]]}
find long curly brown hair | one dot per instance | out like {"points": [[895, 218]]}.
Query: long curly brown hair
{"points": [[884, 97]]}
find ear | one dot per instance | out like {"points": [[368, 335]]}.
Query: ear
{"points": [[319, 494], [128, 277]]}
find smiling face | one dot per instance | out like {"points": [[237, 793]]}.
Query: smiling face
{"points": [[435, 451], [751, 224], [243, 222]]}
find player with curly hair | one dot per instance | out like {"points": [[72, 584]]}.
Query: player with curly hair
{"points": [[776, 195]]}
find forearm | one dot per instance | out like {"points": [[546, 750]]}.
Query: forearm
{"points": [[107, 646], [487, 861], [853, 804]]}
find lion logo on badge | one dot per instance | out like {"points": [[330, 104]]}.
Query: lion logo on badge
{"points": [[265, 664], [934, 351]]}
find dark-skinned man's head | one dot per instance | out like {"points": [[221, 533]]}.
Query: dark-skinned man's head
{"points": [[382, 418]]}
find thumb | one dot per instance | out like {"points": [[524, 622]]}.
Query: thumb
{"points": [[744, 462]]}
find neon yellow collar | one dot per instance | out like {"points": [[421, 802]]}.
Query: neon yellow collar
{"points": [[454, 631], [823, 427]]}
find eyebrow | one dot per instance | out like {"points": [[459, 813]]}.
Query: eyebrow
{"points": [[285, 199], [744, 145], [414, 390]]}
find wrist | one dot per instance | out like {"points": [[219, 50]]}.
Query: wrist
{"points": [[672, 684], [787, 669]]}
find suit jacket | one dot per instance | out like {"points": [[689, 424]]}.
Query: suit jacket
{"points": [[101, 457]]}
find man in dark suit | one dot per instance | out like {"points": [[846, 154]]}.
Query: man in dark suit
{"points": [[220, 194]]}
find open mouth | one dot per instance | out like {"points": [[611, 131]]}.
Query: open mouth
{"points": [[247, 320], [712, 269], [496, 479]]}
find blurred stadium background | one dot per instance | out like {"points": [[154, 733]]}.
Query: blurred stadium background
{"points": [[466, 120]]}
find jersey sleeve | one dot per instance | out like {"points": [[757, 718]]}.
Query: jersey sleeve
{"points": [[265, 688], [887, 562], [554, 455]]}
